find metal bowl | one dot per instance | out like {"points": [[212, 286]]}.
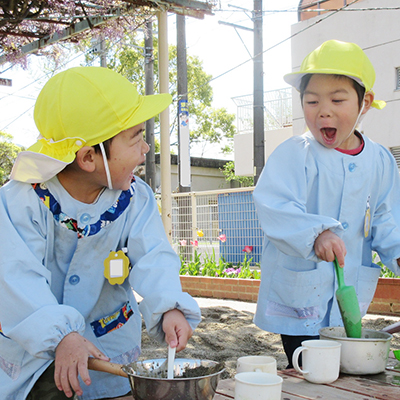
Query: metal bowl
{"points": [[367, 355], [147, 386]]}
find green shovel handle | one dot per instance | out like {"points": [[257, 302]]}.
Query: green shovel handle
{"points": [[339, 273]]}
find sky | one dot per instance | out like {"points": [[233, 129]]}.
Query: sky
{"points": [[224, 51]]}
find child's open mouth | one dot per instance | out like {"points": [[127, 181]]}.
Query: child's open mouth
{"points": [[329, 134]]}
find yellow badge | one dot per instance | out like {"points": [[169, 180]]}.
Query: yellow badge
{"points": [[367, 219], [116, 267]]}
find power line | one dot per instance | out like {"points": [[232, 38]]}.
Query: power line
{"points": [[333, 12], [272, 47], [20, 97], [19, 116], [67, 62], [296, 9], [43, 76], [350, 9], [52, 72]]}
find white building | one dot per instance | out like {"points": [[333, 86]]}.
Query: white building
{"points": [[377, 32]]}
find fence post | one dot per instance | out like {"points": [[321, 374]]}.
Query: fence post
{"points": [[194, 216]]}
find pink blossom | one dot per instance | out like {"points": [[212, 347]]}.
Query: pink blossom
{"points": [[194, 243], [248, 249], [229, 271], [222, 238], [183, 242]]}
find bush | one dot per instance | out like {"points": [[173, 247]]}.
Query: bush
{"points": [[222, 269]]}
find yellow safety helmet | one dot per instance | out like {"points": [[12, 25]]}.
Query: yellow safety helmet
{"points": [[338, 58], [82, 106]]}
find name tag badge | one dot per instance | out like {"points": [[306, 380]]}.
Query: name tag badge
{"points": [[367, 218], [116, 267]]}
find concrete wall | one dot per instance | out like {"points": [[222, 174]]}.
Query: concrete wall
{"points": [[206, 174], [243, 148], [378, 34]]}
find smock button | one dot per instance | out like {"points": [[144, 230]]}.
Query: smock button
{"points": [[345, 225], [74, 279], [352, 167], [78, 143], [85, 218]]}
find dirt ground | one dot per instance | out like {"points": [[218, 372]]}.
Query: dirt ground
{"points": [[225, 334]]}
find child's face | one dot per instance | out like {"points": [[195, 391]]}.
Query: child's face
{"points": [[127, 151], [331, 110]]}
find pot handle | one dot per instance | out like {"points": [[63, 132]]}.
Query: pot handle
{"points": [[393, 328], [105, 366]]}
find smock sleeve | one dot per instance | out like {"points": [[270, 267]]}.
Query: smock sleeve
{"points": [[155, 272], [385, 223], [29, 313], [281, 198]]}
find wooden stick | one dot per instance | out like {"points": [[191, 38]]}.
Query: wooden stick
{"points": [[392, 328], [105, 366]]}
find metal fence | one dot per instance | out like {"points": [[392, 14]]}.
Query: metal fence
{"points": [[218, 223], [277, 110]]}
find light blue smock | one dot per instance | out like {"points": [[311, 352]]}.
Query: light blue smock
{"points": [[304, 190], [52, 283]]}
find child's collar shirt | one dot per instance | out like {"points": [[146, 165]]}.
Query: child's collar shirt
{"points": [[52, 280], [304, 190]]}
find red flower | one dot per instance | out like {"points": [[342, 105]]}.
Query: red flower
{"points": [[248, 249], [222, 238]]}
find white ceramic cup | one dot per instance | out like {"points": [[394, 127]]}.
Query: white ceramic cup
{"points": [[321, 360], [258, 386], [256, 364]]}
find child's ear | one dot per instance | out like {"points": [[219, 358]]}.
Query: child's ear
{"points": [[368, 99], [85, 157]]}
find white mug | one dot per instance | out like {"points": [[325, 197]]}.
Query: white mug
{"points": [[256, 364], [321, 360], [258, 386]]}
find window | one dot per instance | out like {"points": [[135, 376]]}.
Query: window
{"points": [[396, 154], [398, 78]]}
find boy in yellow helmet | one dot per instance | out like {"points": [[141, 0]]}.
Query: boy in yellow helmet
{"points": [[78, 232], [328, 193]]}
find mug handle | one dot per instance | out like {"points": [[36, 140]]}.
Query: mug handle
{"points": [[295, 360]]}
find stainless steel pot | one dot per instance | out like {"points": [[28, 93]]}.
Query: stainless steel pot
{"points": [[360, 356], [194, 387], [193, 379]]}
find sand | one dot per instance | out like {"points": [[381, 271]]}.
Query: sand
{"points": [[226, 333]]}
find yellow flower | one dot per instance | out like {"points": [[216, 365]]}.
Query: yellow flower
{"points": [[200, 233]]}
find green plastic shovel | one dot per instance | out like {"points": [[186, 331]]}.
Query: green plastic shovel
{"points": [[348, 304]]}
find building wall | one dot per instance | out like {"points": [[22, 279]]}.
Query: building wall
{"points": [[202, 178], [322, 4], [206, 174], [244, 152], [378, 34]]}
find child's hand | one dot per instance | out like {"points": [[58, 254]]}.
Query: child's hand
{"points": [[328, 245], [176, 328], [72, 355]]}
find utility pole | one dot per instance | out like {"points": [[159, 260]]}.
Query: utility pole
{"points": [[186, 231], [258, 91], [165, 152], [183, 108], [258, 84], [149, 90], [103, 53]]}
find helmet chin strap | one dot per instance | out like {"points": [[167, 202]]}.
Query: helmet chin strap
{"points": [[358, 119], [103, 152]]}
